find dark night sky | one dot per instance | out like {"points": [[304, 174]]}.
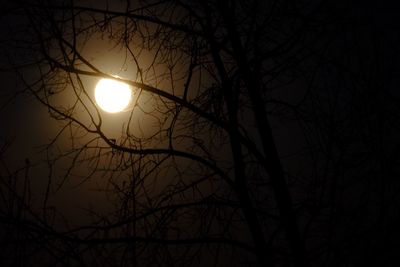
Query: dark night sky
{"points": [[370, 27], [375, 19]]}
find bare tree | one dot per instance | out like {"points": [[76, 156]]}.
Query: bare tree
{"points": [[206, 175], [196, 172]]}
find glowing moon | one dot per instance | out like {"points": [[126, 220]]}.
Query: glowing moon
{"points": [[112, 96]]}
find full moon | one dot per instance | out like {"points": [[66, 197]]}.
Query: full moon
{"points": [[112, 96]]}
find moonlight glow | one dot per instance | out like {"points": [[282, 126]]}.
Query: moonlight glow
{"points": [[112, 96]]}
